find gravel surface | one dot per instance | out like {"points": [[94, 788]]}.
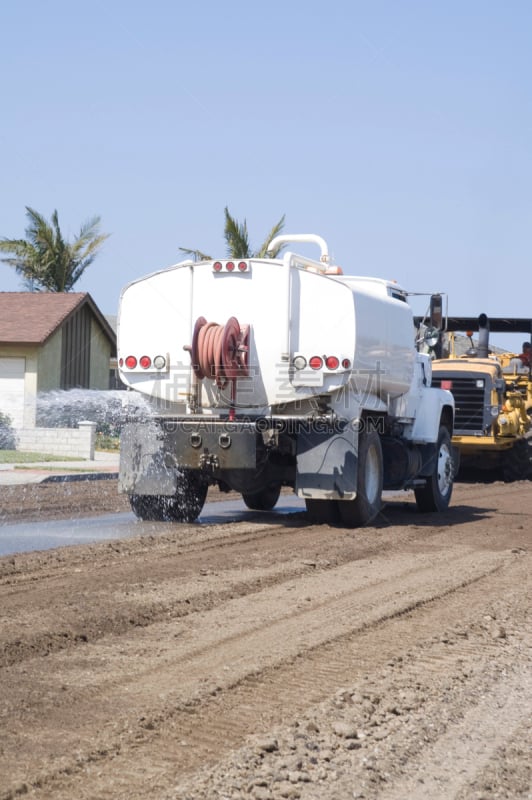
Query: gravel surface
{"points": [[269, 658]]}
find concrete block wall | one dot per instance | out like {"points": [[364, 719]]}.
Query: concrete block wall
{"points": [[72, 442]]}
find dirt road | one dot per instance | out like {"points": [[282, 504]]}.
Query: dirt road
{"points": [[273, 659]]}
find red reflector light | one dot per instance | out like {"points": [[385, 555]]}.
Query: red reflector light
{"points": [[346, 363], [217, 266], [131, 362], [332, 362], [447, 385], [121, 362], [242, 266], [145, 362], [316, 362], [230, 266]]}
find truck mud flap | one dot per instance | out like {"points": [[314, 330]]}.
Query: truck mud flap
{"points": [[143, 467], [326, 465]]}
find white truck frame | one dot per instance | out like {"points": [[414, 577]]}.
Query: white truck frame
{"points": [[264, 373]]}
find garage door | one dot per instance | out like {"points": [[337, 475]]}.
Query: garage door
{"points": [[12, 389]]}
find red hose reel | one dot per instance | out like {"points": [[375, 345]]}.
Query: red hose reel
{"points": [[220, 352]]}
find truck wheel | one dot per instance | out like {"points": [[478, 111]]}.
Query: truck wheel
{"points": [[435, 495], [324, 512], [516, 462], [367, 504], [184, 506], [263, 500], [148, 507]]}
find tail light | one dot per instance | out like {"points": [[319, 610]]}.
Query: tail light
{"points": [[231, 266], [145, 362], [329, 362]]}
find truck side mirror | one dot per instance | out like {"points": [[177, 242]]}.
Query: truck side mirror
{"points": [[431, 337]]}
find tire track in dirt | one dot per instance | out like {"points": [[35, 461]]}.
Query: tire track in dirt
{"points": [[427, 708], [508, 770], [448, 767], [154, 583], [24, 568], [107, 590], [136, 703], [187, 598]]}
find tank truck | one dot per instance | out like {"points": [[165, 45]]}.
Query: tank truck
{"points": [[264, 373]]}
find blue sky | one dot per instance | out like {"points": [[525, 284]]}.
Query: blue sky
{"points": [[401, 132]]}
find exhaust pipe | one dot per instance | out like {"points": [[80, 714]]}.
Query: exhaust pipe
{"points": [[483, 336]]}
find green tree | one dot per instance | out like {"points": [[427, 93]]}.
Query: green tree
{"points": [[46, 261], [237, 241]]}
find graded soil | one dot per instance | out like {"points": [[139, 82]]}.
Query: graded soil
{"points": [[269, 658]]}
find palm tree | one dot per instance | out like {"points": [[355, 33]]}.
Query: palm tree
{"points": [[237, 241], [45, 260]]}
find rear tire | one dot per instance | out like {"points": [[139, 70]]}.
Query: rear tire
{"points": [[516, 462], [264, 500], [435, 495], [147, 507], [184, 506], [367, 504], [323, 512]]}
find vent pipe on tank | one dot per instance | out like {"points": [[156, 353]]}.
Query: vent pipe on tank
{"points": [[312, 238]]}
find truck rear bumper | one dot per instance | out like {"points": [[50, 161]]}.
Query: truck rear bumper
{"points": [[244, 455], [153, 453]]}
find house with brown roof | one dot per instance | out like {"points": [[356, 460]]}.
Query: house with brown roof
{"points": [[50, 340]]}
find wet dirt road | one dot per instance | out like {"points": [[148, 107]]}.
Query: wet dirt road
{"points": [[272, 658], [20, 537]]}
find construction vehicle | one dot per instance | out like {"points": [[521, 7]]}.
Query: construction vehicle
{"points": [[493, 396], [265, 373]]}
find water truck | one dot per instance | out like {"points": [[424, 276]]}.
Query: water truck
{"points": [[264, 373]]}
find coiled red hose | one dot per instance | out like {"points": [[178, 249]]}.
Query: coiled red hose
{"points": [[220, 352]]}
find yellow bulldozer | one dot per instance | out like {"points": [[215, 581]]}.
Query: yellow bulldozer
{"points": [[492, 393]]}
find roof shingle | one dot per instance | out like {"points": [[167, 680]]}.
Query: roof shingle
{"points": [[31, 317]]}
